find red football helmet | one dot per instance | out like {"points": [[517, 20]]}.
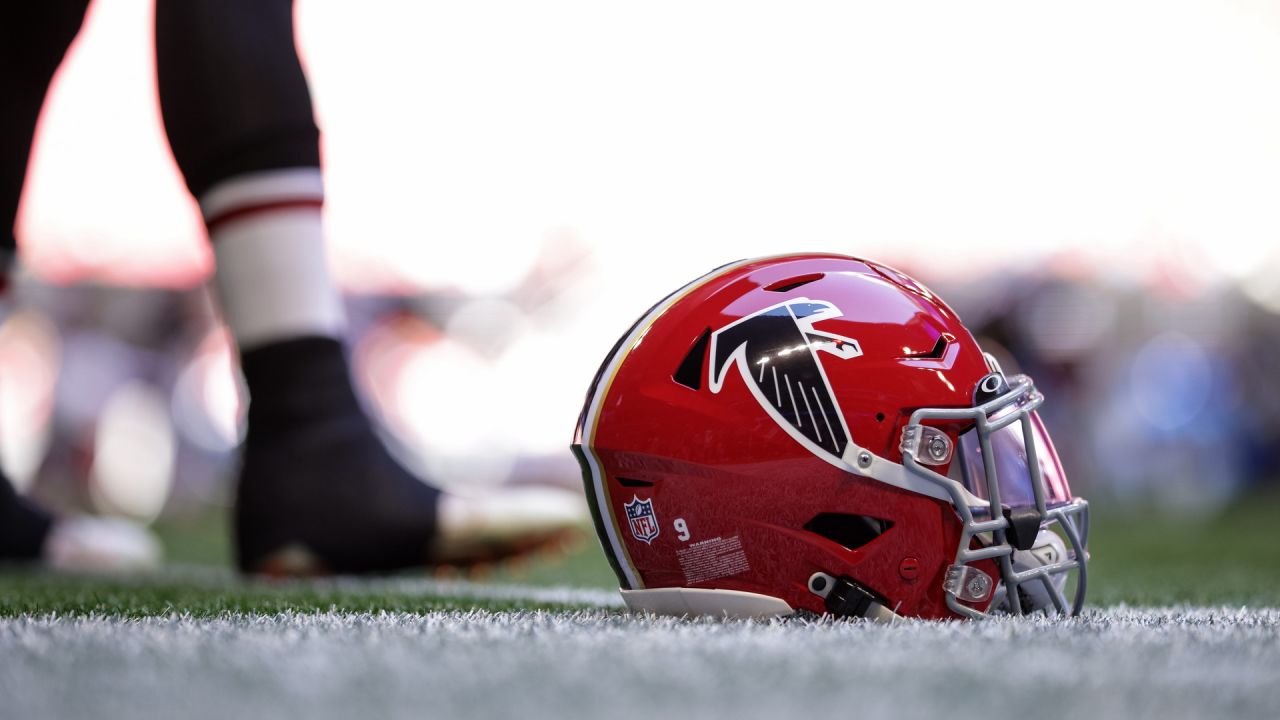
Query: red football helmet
{"points": [[821, 433]]}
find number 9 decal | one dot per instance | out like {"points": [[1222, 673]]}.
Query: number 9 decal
{"points": [[682, 529]]}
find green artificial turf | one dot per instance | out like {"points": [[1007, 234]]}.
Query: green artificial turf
{"points": [[1137, 558], [29, 592], [1143, 558]]}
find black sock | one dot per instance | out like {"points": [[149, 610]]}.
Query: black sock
{"points": [[295, 383]]}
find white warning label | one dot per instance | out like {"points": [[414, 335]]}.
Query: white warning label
{"points": [[711, 559]]}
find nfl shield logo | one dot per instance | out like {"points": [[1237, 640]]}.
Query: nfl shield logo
{"points": [[644, 525]]}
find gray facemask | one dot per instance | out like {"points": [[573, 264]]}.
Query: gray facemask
{"points": [[1009, 490]]}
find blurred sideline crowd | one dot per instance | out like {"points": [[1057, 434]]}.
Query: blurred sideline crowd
{"points": [[125, 400]]}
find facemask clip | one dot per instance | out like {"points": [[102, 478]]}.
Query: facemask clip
{"points": [[928, 445], [967, 583]]}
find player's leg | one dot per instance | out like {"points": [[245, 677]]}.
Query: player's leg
{"points": [[34, 37], [318, 491]]}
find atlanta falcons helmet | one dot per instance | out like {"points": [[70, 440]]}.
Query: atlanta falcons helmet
{"points": [[821, 434]]}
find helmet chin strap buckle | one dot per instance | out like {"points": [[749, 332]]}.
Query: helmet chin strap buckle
{"points": [[844, 597]]}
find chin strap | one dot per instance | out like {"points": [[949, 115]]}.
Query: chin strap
{"points": [[844, 597]]}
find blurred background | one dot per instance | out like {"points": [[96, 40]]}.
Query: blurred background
{"points": [[1095, 187]]}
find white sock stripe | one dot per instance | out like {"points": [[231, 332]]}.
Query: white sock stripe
{"points": [[273, 279], [262, 188]]}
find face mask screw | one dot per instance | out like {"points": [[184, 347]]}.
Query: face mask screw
{"points": [[938, 449], [979, 586], [864, 459]]}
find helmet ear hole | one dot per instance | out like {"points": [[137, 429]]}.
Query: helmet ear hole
{"points": [[846, 529]]}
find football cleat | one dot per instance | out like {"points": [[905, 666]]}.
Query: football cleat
{"points": [[821, 434], [503, 522], [100, 544], [24, 525], [30, 534], [329, 498]]}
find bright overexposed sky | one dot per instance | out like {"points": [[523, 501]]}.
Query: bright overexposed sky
{"points": [[672, 136]]}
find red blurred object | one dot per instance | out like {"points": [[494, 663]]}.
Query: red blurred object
{"points": [[745, 435]]}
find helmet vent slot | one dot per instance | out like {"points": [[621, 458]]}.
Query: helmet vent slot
{"points": [[848, 530], [632, 482], [793, 283], [939, 349], [689, 372]]}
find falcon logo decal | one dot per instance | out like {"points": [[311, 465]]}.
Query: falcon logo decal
{"points": [[777, 351]]}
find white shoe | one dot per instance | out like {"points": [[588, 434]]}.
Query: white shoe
{"points": [[504, 522], [100, 544]]}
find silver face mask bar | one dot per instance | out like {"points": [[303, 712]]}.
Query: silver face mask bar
{"points": [[1011, 529]]}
